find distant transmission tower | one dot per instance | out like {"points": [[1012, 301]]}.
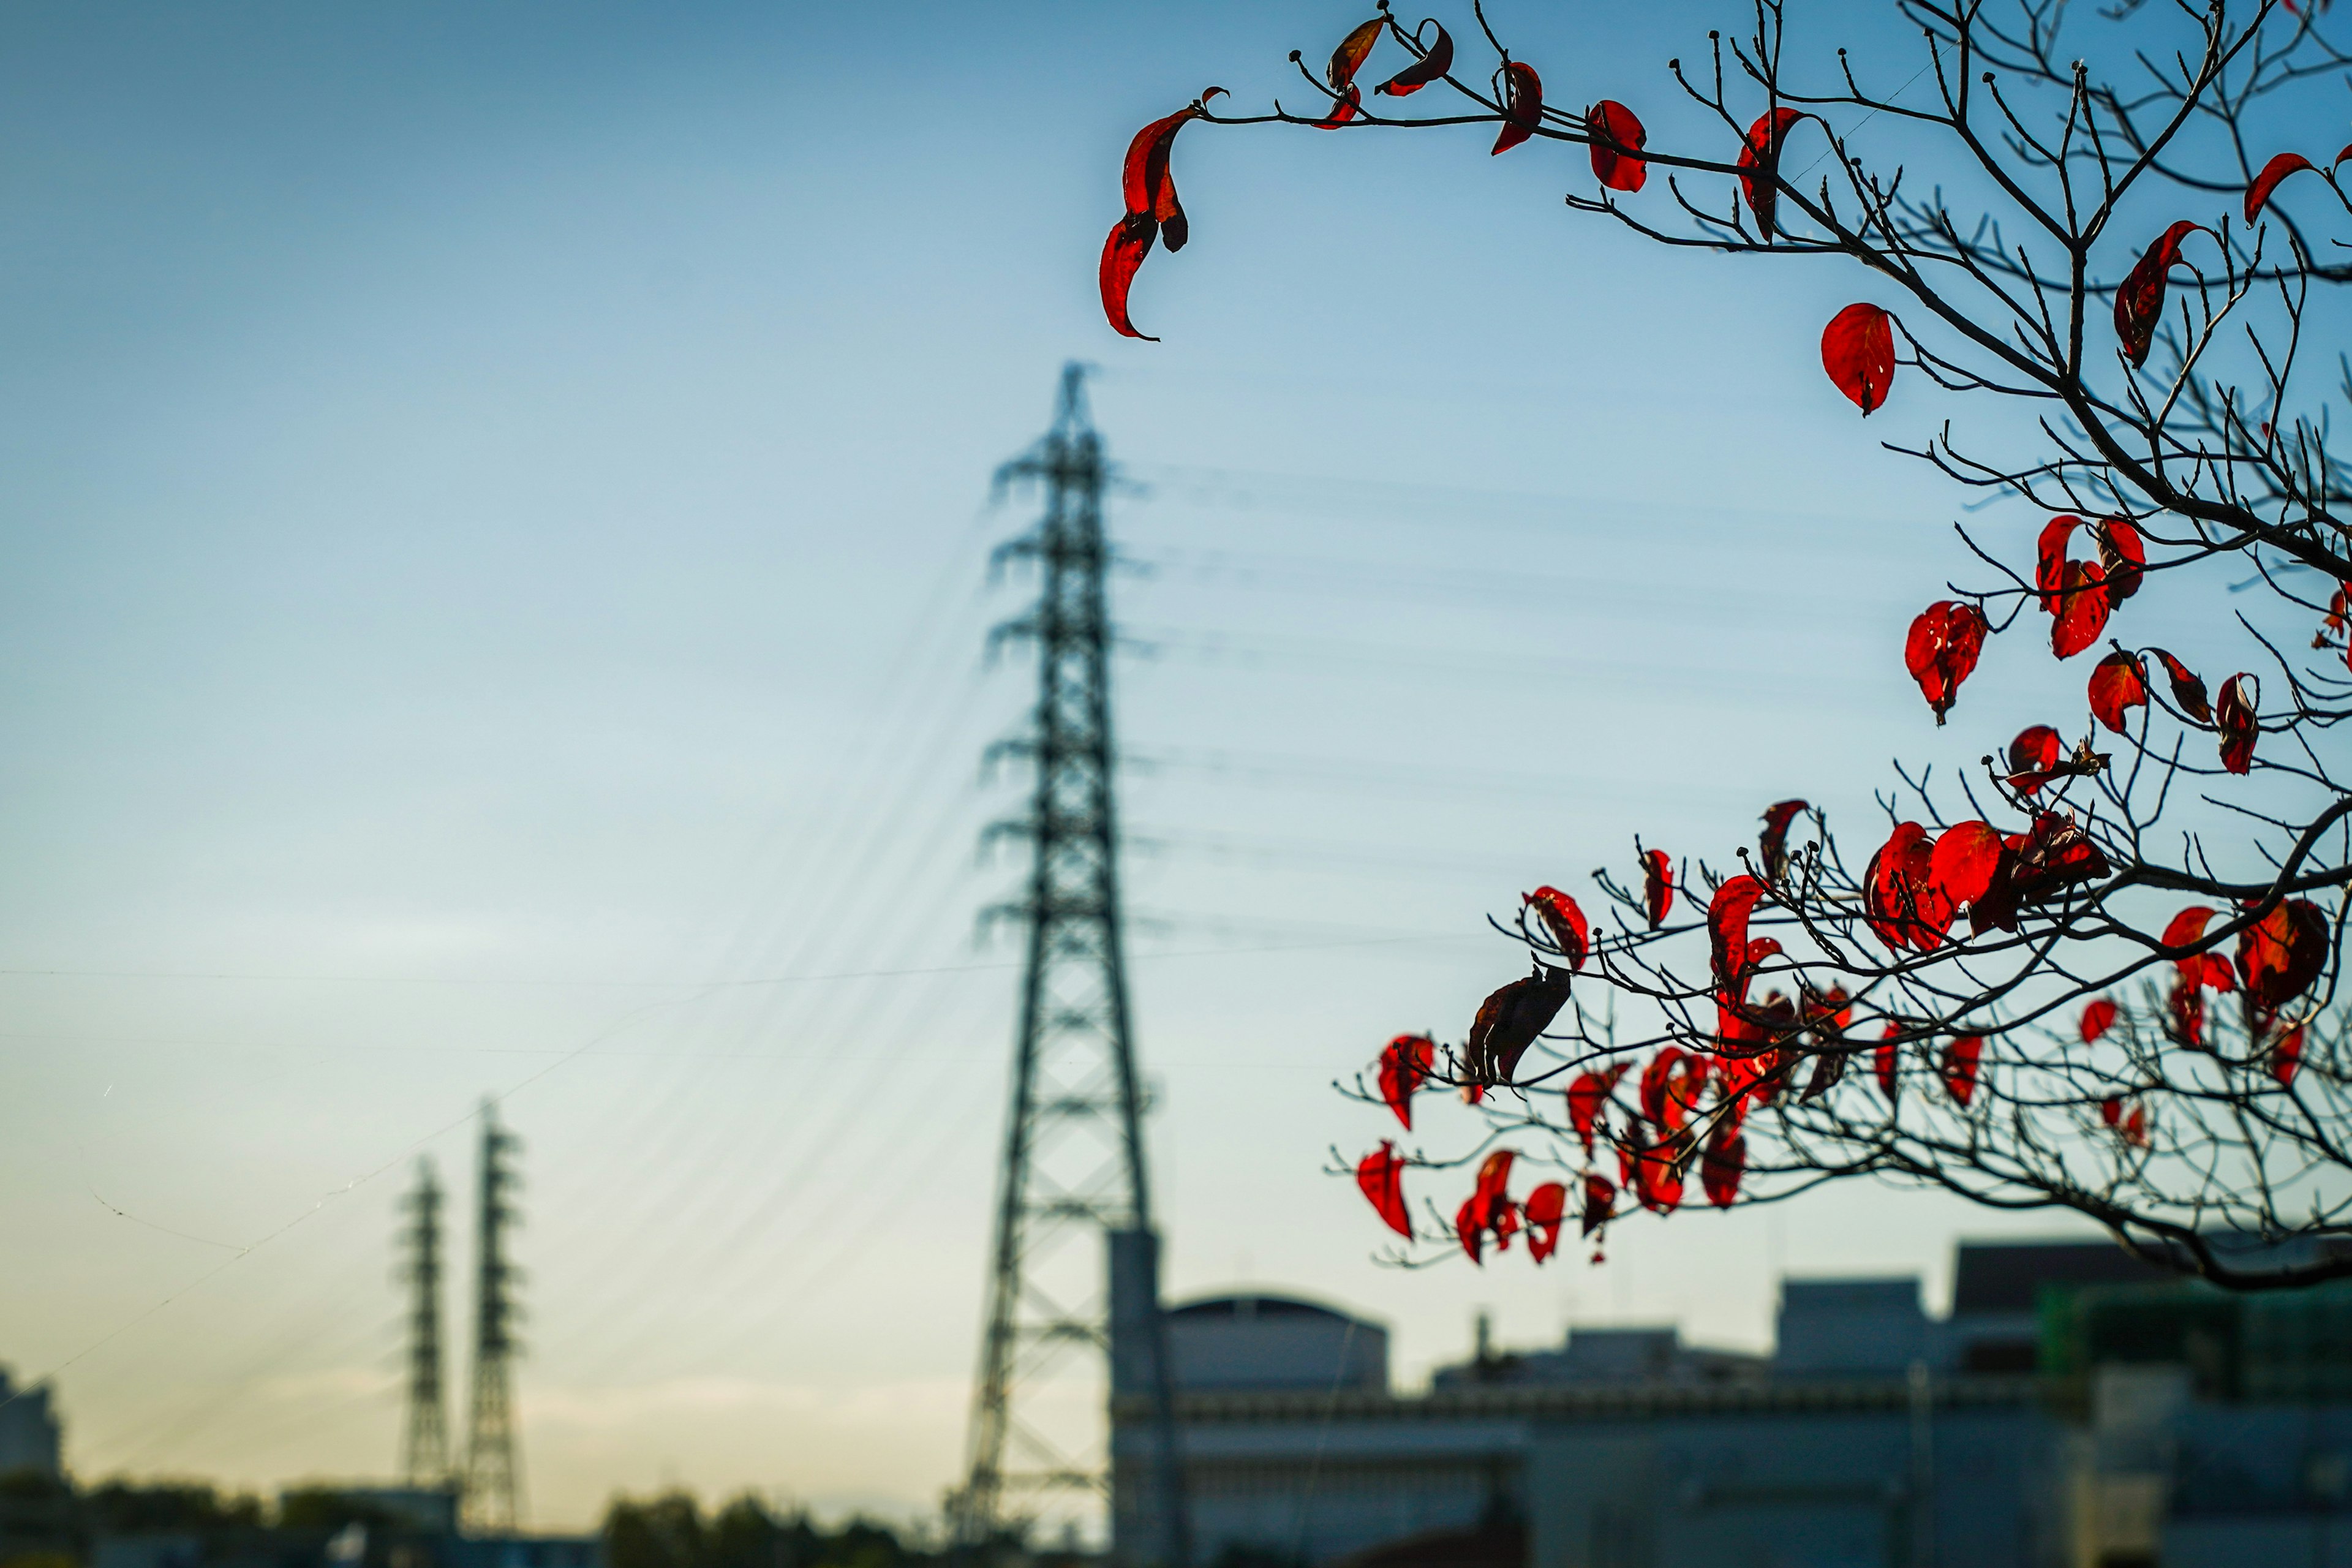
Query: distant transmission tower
{"points": [[493, 1466], [1074, 1163], [425, 1447]]}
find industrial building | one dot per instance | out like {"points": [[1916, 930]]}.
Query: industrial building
{"points": [[2074, 1409]]}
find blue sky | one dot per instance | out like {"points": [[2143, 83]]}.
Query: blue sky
{"points": [[497, 580]]}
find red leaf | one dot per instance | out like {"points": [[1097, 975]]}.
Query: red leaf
{"points": [[1774, 839], [1961, 1058], [1509, 1022], [1563, 921], [1721, 1166], [1343, 110], [2186, 929], [2188, 690], [1657, 886], [1882, 1062], [1470, 1230], [2287, 1056], [1657, 1078], [1962, 865], [1431, 67], [1902, 899], [1348, 58], [2136, 1127], [2139, 302], [2123, 556], [1657, 1178], [1495, 1176], [1727, 924], [2111, 1110], [2185, 1004], [1617, 142], [2282, 954], [1152, 212], [1546, 1207], [2036, 749], [1587, 1093], [2118, 682], [1522, 105], [1380, 1174], [1941, 651], [2259, 194], [1404, 1068], [2049, 558], [2082, 609], [1123, 252], [1759, 165], [2233, 715], [1600, 1200], [2097, 1018], [1858, 351]]}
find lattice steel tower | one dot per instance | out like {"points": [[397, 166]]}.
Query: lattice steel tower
{"points": [[425, 1446], [493, 1464], [1074, 1162]]}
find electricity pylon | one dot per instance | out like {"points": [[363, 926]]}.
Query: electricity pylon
{"points": [[493, 1466], [1074, 1164], [425, 1446]]}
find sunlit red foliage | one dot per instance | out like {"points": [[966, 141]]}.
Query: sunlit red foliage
{"points": [[1522, 105], [2233, 716], [2140, 302], [1657, 887], [1380, 1174], [1858, 351], [2118, 684], [2097, 1018], [1431, 67], [1618, 139], [1405, 1065], [1545, 1209], [1563, 921], [1759, 165], [1941, 651]]}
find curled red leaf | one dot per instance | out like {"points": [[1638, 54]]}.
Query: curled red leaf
{"points": [[1617, 142], [1131, 240], [1901, 899], [2118, 682], [1657, 1177], [1721, 1164], [1562, 921], [1961, 868], [1349, 56], [1727, 924], [1941, 651], [2280, 955], [2139, 302], [2188, 688], [1404, 1068], [2097, 1018], [1858, 351], [1522, 105], [1432, 66], [1657, 887], [2083, 606], [1774, 840], [2186, 929], [2123, 558], [2036, 749], [2258, 194], [1152, 212], [1587, 1093], [1509, 1022], [1544, 1211], [2286, 1055], [2233, 716], [1600, 1200], [1380, 1174], [1490, 1209], [2049, 558], [1883, 1063], [1961, 1061], [1759, 165]]}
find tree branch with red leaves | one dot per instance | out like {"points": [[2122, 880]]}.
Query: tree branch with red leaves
{"points": [[2100, 973]]}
